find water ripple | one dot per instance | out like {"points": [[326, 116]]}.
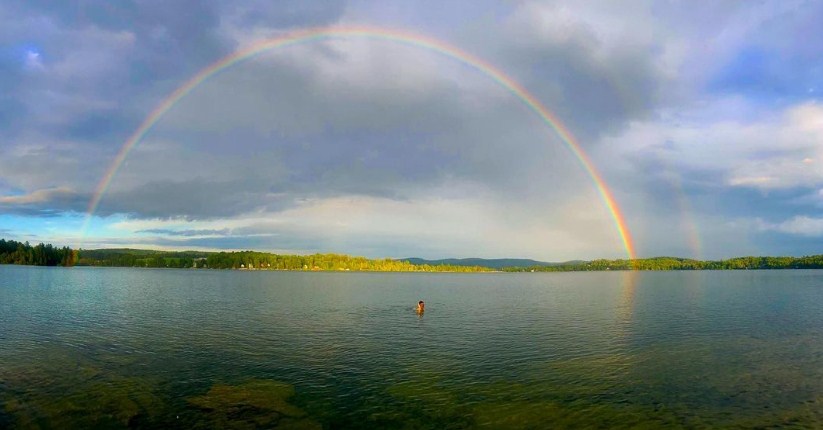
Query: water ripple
{"points": [[495, 350]]}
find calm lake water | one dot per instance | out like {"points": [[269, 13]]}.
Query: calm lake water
{"points": [[100, 347]]}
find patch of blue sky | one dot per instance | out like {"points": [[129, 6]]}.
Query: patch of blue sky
{"points": [[104, 227], [64, 229], [770, 77], [780, 243], [55, 229]]}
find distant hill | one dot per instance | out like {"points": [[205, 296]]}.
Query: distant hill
{"points": [[13, 252], [492, 263]]}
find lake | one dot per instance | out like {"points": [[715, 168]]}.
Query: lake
{"points": [[167, 348]]}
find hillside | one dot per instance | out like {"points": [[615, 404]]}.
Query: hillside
{"points": [[492, 263]]}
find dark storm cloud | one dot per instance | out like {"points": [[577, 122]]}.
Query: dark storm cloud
{"points": [[97, 125], [78, 77], [189, 199], [168, 34], [295, 125], [593, 81], [591, 97], [164, 44]]}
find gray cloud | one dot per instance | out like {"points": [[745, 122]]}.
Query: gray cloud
{"points": [[190, 199], [102, 67], [287, 14], [48, 202], [675, 104], [267, 133], [595, 78], [362, 117], [187, 233]]}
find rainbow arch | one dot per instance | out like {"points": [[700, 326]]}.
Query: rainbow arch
{"points": [[396, 36]]}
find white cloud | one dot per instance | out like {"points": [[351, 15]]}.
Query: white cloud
{"points": [[33, 60], [475, 224], [762, 153], [800, 225]]}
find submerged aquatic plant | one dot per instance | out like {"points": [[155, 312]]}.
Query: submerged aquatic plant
{"points": [[254, 404]]}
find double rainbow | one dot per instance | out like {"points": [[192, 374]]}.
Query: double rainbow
{"points": [[401, 37]]}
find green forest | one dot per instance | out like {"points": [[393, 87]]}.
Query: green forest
{"points": [[12, 252], [252, 260], [673, 263]]}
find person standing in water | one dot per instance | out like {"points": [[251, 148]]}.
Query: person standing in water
{"points": [[421, 307]]}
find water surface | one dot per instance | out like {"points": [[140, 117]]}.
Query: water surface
{"points": [[163, 348]]}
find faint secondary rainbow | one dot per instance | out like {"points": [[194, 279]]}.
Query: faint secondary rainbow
{"points": [[401, 37], [688, 224]]}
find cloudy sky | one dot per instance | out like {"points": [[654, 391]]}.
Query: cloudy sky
{"points": [[702, 118]]}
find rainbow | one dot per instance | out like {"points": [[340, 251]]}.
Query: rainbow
{"points": [[401, 37]]}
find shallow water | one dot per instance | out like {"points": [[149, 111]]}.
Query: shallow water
{"points": [[163, 348]]}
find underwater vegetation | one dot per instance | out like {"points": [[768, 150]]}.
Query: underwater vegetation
{"points": [[69, 390], [133, 403], [251, 405], [169, 353], [97, 389]]}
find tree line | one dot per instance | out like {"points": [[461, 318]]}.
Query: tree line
{"points": [[673, 263], [252, 260], [248, 260], [13, 252]]}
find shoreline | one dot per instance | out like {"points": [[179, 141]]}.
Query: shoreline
{"points": [[417, 271]]}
